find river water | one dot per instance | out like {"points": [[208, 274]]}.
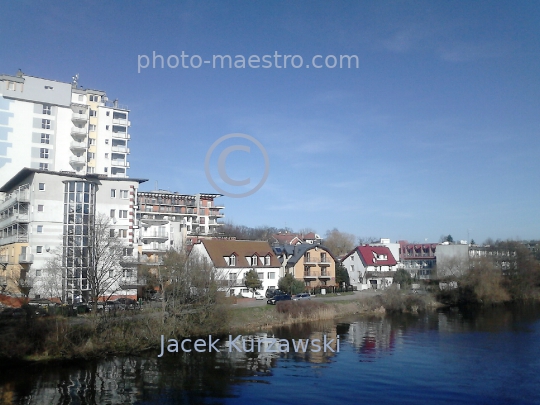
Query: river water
{"points": [[449, 357]]}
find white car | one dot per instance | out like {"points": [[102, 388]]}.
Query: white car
{"points": [[259, 295]]}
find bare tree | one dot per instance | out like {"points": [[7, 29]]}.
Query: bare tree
{"points": [[106, 251], [50, 281], [339, 243], [452, 267]]}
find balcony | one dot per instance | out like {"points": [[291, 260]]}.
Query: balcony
{"points": [[121, 163], [77, 160], [81, 118], [325, 276], [121, 135], [6, 240], [79, 146], [309, 276], [120, 149], [215, 224], [154, 221], [157, 236], [154, 248], [16, 218], [15, 197], [121, 121], [78, 134], [216, 214], [119, 175], [26, 259]]}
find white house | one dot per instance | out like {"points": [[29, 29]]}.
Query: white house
{"points": [[233, 259], [370, 267]]}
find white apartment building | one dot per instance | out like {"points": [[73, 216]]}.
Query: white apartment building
{"points": [[45, 212], [171, 220], [57, 126]]}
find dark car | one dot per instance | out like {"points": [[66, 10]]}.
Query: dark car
{"points": [[126, 303], [272, 293], [277, 298]]}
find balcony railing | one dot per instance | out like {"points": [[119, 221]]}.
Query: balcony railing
{"points": [[15, 196], [76, 131], [16, 218], [317, 260], [79, 117], [121, 121], [74, 145], [121, 163], [121, 135], [26, 258], [310, 274], [121, 149], [6, 240], [77, 160]]}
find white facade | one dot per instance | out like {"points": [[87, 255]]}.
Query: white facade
{"points": [[56, 126], [373, 270], [231, 272], [43, 211]]}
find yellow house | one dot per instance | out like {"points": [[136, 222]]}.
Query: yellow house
{"points": [[314, 264]]}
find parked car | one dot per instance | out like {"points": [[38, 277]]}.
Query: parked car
{"points": [[259, 296], [127, 303], [270, 293], [301, 297], [277, 298]]}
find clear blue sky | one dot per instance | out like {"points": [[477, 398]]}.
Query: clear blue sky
{"points": [[436, 132]]}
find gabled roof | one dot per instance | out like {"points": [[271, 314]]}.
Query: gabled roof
{"points": [[370, 254], [297, 251], [218, 249], [286, 238]]}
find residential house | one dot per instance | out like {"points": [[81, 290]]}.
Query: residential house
{"points": [[370, 267], [233, 259], [314, 264]]}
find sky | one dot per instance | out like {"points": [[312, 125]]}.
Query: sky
{"points": [[434, 131]]}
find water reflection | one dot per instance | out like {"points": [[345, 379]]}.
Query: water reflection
{"points": [[377, 346]]}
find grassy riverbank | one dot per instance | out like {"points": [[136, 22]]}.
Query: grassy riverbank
{"points": [[128, 332]]}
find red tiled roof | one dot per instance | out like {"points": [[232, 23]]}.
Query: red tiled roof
{"points": [[369, 254]]}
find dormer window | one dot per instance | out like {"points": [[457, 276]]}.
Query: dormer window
{"points": [[232, 260], [267, 260], [254, 260]]}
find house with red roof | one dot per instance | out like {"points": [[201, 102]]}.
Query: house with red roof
{"points": [[370, 267]]}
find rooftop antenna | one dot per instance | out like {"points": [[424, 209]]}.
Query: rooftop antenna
{"points": [[75, 80]]}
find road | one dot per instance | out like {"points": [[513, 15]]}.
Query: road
{"points": [[251, 302]]}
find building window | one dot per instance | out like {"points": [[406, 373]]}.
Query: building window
{"points": [[92, 127], [271, 275], [48, 87], [39, 249], [123, 233], [113, 213], [94, 98], [113, 193], [41, 186], [254, 260], [90, 156], [232, 260], [93, 113], [44, 153], [11, 85], [91, 170], [38, 273], [105, 170], [43, 166], [122, 214], [39, 229], [106, 155], [45, 138], [108, 113], [46, 124], [40, 207], [124, 194], [106, 141], [91, 141], [111, 233], [47, 109], [267, 260]]}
